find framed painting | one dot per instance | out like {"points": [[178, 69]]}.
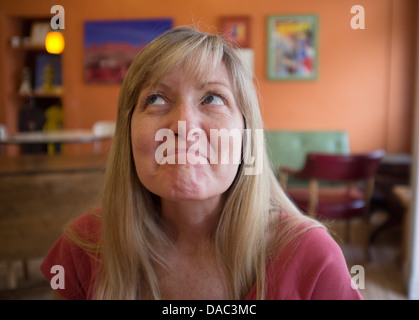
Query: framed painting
{"points": [[47, 75], [236, 30], [292, 51], [111, 46]]}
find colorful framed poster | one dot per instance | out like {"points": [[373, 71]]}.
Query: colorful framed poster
{"points": [[111, 46], [292, 51], [236, 30]]}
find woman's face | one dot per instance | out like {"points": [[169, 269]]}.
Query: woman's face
{"points": [[187, 136]]}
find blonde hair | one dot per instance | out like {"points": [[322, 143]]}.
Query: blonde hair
{"points": [[131, 234]]}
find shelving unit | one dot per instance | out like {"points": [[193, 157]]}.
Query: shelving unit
{"points": [[26, 111]]}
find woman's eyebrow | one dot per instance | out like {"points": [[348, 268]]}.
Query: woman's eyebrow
{"points": [[202, 85], [162, 84]]}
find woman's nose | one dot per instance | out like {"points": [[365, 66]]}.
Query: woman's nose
{"points": [[185, 119]]}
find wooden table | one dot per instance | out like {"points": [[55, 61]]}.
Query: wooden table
{"points": [[394, 170], [57, 137], [404, 195], [39, 194], [41, 163]]}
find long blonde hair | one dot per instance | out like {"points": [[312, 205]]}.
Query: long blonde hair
{"points": [[131, 233]]}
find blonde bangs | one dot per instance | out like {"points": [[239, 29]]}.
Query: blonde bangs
{"points": [[197, 58]]}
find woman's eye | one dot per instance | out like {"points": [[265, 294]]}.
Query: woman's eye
{"points": [[155, 100], [214, 100]]}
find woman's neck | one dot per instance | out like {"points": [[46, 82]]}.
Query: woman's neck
{"points": [[190, 223]]}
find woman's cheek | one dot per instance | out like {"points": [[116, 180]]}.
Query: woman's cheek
{"points": [[143, 145], [226, 146]]}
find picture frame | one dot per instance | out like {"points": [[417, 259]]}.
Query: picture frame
{"points": [[236, 30], [292, 47], [42, 61], [110, 46]]}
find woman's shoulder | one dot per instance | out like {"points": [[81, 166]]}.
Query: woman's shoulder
{"points": [[87, 226], [77, 253], [303, 235], [309, 263]]}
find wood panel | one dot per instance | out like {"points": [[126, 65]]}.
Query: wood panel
{"points": [[35, 207]]}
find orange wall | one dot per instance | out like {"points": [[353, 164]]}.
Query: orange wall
{"points": [[365, 83]]}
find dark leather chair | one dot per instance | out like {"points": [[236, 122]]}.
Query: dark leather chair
{"points": [[340, 186]]}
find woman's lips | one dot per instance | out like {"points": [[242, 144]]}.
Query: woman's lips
{"points": [[183, 156]]}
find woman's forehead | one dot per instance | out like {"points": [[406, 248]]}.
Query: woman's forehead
{"points": [[200, 77]]}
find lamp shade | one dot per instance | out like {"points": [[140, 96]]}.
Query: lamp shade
{"points": [[54, 42]]}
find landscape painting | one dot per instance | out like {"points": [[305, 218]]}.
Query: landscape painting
{"points": [[111, 46]]}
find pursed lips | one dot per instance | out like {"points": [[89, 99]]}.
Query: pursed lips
{"points": [[175, 156]]}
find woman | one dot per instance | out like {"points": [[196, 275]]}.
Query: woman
{"points": [[181, 219]]}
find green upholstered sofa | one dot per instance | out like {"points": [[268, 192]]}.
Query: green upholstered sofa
{"points": [[289, 148]]}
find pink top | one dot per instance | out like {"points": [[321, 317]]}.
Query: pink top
{"points": [[315, 270]]}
